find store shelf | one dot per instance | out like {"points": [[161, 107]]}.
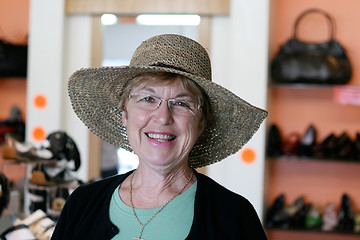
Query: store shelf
{"points": [[301, 234], [301, 85]]}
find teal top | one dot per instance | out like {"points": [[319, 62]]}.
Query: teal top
{"points": [[173, 222]]}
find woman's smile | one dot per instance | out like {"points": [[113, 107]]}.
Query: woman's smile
{"points": [[160, 137]]}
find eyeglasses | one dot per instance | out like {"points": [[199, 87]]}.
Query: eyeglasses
{"points": [[181, 106]]}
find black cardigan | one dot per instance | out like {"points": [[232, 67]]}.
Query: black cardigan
{"points": [[219, 213]]}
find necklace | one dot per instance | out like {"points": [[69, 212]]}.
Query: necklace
{"points": [[161, 208]]}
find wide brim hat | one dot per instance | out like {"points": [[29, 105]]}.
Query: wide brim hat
{"points": [[95, 95]]}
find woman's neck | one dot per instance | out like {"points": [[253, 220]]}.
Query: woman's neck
{"points": [[152, 189]]}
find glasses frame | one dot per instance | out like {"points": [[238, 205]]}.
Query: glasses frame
{"points": [[193, 112]]}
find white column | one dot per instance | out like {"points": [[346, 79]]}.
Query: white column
{"points": [[45, 67], [58, 45], [239, 52]]}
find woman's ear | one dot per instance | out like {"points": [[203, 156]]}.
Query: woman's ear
{"points": [[124, 118]]}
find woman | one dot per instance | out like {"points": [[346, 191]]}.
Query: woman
{"points": [[163, 107]]}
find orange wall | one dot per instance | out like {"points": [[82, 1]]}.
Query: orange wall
{"points": [[14, 21], [14, 28]]}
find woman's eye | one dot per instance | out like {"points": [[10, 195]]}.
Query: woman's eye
{"points": [[181, 104], [148, 99]]}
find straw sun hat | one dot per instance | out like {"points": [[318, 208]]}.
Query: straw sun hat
{"points": [[95, 95]]}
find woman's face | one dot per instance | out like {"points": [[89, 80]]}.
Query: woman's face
{"points": [[162, 137]]}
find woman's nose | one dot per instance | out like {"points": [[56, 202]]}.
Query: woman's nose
{"points": [[163, 113]]}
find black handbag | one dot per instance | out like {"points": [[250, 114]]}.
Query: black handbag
{"points": [[311, 63], [13, 60]]}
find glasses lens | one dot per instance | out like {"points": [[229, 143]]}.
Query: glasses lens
{"points": [[146, 102], [182, 106]]}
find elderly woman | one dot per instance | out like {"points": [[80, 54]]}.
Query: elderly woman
{"points": [[164, 108]]}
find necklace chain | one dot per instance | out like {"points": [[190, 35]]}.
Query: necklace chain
{"points": [[161, 208]]}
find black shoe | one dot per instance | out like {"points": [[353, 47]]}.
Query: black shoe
{"points": [[63, 147], [346, 215], [4, 192], [307, 142], [356, 147], [298, 220], [275, 208], [284, 217], [325, 149], [274, 142], [344, 147]]}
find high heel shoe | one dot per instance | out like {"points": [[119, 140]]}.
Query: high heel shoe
{"points": [[344, 147], [313, 218], [307, 142], [326, 148], [284, 217], [357, 222], [290, 145], [275, 208], [356, 147], [346, 215], [330, 218], [274, 142]]}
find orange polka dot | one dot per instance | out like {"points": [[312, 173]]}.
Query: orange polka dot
{"points": [[38, 133], [248, 155], [40, 101]]}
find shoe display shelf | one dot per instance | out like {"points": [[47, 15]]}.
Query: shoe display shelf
{"points": [[39, 191], [319, 180]]}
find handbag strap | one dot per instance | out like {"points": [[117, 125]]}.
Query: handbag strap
{"points": [[330, 20]]}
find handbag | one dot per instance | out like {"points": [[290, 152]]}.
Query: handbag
{"points": [[13, 60], [311, 63]]}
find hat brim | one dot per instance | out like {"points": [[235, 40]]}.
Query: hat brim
{"points": [[95, 94]]}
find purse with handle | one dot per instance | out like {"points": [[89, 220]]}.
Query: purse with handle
{"points": [[311, 63]]}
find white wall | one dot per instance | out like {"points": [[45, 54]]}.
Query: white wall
{"points": [[239, 57]]}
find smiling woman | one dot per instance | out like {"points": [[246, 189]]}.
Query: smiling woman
{"points": [[200, 124]]}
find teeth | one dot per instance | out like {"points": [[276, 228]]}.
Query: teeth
{"points": [[161, 137]]}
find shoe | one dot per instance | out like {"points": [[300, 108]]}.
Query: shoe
{"points": [[344, 147], [314, 219], [275, 208], [13, 126], [4, 192], [284, 217], [326, 148], [50, 175], [290, 145], [63, 147], [356, 147], [298, 220], [274, 142], [346, 215], [24, 151], [307, 142], [357, 222], [330, 218], [58, 201], [20, 231], [38, 199]]}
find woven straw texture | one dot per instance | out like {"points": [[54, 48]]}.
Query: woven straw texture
{"points": [[95, 95]]}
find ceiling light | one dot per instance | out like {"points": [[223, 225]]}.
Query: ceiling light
{"points": [[109, 19]]}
